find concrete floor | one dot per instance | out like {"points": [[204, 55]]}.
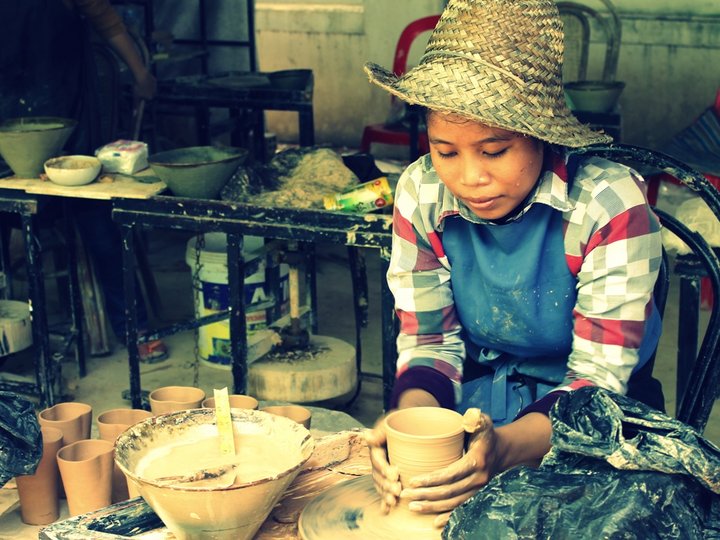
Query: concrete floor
{"points": [[107, 376]]}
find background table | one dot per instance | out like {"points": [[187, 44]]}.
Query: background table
{"points": [[236, 220], [26, 197]]}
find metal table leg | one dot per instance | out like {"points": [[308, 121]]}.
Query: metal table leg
{"points": [[238, 330], [131, 318], [44, 369]]}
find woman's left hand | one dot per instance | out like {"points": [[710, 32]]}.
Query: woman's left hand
{"points": [[441, 491]]}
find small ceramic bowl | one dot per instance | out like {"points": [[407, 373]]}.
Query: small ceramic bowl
{"points": [[72, 170]]}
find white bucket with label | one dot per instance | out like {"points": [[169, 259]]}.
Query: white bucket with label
{"points": [[213, 295]]}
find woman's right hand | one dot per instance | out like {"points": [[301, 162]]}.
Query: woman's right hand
{"points": [[385, 476]]}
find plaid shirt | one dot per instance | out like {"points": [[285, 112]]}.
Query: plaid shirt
{"points": [[612, 246]]}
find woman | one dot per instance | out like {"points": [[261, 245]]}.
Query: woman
{"points": [[519, 271]]}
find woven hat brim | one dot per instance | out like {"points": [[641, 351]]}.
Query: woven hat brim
{"points": [[447, 85]]}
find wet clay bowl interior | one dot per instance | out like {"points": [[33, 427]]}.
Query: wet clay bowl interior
{"points": [[72, 170], [269, 452], [594, 96], [198, 172], [26, 143]]}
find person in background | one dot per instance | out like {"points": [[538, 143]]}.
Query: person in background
{"points": [[520, 271], [47, 69]]}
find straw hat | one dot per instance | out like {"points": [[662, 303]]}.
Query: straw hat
{"points": [[498, 62]]}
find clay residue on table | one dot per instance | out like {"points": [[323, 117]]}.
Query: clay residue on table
{"points": [[305, 354], [337, 457], [296, 178]]}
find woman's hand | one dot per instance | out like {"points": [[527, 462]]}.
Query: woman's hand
{"points": [[385, 477], [490, 451], [439, 492]]}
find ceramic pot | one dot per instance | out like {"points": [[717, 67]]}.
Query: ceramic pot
{"points": [[73, 418], [86, 470], [237, 401], [301, 415], [423, 439], [175, 398], [38, 492], [110, 425]]}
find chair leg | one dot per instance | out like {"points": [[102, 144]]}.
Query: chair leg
{"points": [[365, 142]]}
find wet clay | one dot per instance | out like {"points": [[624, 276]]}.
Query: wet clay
{"points": [[351, 511], [187, 458]]}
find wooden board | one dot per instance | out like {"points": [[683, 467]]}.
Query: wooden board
{"points": [[121, 187]]}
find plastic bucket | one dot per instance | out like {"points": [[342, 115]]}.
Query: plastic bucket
{"points": [[15, 327], [210, 273]]}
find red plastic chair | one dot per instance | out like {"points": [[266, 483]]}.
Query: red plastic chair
{"points": [[380, 133]]}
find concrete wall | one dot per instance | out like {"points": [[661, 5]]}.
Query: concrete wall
{"points": [[669, 58]]}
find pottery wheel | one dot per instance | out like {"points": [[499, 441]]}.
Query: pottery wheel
{"points": [[324, 370], [351, 511]]}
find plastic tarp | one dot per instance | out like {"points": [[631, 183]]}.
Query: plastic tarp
{"points": [[20, 437], [617, 469]]}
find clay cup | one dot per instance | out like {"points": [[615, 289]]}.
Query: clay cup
{"points": [[237, 401], [169, 399], [423, 439], [299, 414]]}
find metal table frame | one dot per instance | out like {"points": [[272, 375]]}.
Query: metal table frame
{"points": [[47, 367], [236, 220]]}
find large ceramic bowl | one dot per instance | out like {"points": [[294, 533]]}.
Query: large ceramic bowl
{"points": [[594, 96], [26, 143], [72, 170], [197, 172], [269, 452]]}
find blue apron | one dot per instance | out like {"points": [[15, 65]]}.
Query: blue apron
{"points": [[514, 296]]}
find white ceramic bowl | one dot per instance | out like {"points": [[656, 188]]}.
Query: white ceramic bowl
{"points": [[73, 170]]}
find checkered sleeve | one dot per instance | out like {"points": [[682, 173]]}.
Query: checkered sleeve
{"points": [[419, 278], [614, 247]]}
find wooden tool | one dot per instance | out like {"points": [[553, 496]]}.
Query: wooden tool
{"points": [[224, 422], [294, 336]]}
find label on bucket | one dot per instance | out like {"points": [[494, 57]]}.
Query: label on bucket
{"points": [[216, 296], [214, 339]]}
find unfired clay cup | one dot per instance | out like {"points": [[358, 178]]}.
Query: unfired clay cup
{"points": [[86, 470], [175, 398], [38, 492], [423, 439], [301, 415], [237, 401], [73, 418], [111, 424]]}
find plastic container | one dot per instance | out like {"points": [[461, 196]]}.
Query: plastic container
{"points": [[214, 295], [15, 326], [366, 197]]}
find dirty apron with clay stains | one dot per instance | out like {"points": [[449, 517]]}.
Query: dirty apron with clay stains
{"points": [[514, 296]]}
